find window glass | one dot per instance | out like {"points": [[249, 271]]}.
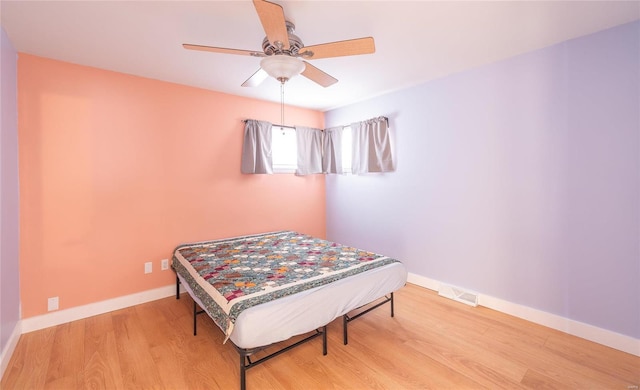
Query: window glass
{"points": [[284, 150]]}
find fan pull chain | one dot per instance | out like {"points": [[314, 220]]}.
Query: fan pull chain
{"points": [[282, 103]]}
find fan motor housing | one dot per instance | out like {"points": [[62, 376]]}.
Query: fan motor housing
{"points": [[295, 43]]}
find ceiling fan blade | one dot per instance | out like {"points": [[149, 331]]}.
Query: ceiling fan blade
{"points": [[316, 75], [337, 49], [272, 19], [256, 79], [223, 50]]}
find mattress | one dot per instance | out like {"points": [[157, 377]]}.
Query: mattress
{"points": [[307, 306]]}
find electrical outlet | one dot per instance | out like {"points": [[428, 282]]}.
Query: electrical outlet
{"points": [[148, 267], [164, 264], [52, 304]]}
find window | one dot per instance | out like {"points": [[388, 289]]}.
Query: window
{"points": [[284, 150]]}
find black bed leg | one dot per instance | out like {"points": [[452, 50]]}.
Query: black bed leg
{"points": [[345, 322], [195, 314], [391, 304], [177, 287], [324, 341], [243, 380]]}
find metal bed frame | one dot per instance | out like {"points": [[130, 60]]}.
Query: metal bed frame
{"points": [[246, 353], [346, 318]]}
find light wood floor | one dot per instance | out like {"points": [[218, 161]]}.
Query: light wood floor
{"points": [[432, 342]]}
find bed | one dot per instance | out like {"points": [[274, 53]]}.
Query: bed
{"points": [[266, 288]]}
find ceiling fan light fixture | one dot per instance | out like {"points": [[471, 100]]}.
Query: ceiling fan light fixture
{"points": [[282, 67]]}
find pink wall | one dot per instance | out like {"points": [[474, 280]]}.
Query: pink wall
{"points": [[116, 170]]}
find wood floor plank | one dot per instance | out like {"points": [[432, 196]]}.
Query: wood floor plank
{"points": [[63, 383], [102, 363], [538, 381], [299, 361], [568, 372], [410, 368], [30, 362], [156, 325], [596, 357], [67, 353], [136, 363], [431, 343], [370, 341]]}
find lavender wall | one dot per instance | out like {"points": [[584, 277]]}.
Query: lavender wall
{"points": [[519, 180], [9, 265]]}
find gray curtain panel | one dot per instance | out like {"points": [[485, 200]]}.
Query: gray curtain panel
{"points": [[309, 142], [332, 150], [371, 146], [256, 147]]}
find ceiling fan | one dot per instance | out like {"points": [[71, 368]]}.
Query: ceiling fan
{"points": [[283, 53]]}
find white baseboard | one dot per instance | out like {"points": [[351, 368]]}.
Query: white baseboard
{"points": [[75, 313], [589, 332], [7, 352], [423, 282]]}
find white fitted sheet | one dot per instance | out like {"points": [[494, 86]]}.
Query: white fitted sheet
{"points": [[305, 311]]}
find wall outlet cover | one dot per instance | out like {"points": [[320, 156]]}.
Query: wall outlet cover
{"points": [[52, 304]]}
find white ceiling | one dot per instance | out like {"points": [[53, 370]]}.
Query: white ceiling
{"points": [[416, 41]]}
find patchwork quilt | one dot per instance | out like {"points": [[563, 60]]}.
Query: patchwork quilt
{"points": [[231, 275]]}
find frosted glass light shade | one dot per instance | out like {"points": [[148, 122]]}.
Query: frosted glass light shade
{"points": [[282, 67]]}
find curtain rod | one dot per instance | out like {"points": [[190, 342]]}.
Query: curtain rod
{"points": [[273, 124], [283, 126], [293, 128]]}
